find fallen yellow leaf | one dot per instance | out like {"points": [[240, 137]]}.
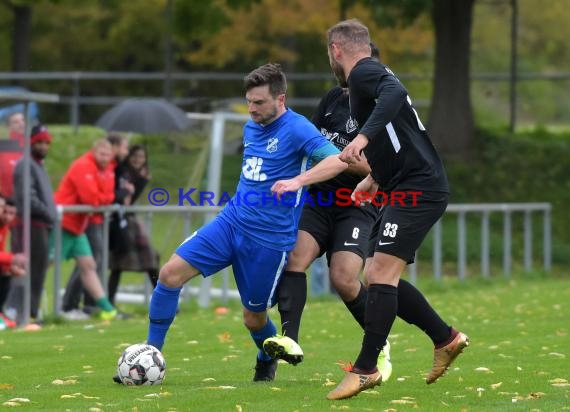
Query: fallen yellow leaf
{"points": [[483, 369], [328, 382], [225, 337], [557, 355], [558, 380], [64, 382], [19, 400], [220, 387], [535, 395]]}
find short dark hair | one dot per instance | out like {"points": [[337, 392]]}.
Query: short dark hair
{"points": [[136, 148], [115, 139], [269, 74]]}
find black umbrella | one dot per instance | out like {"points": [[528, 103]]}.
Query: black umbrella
{"points": [[144, 116]]}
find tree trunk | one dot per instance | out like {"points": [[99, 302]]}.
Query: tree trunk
{"points": [[21, 38], [451, 116]]}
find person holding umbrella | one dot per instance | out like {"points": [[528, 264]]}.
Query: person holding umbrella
{"points": [[130, 245]]}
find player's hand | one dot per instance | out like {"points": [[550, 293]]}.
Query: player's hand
{"points": [[351, 153], [282, 186], [18, 265], [364, 191]]}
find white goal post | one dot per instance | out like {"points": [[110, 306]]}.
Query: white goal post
{"points": [[215, 161]]}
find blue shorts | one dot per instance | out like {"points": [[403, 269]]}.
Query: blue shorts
{"points": [[257, 269]]}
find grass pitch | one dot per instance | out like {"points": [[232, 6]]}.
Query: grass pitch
{"points": [[517, 360]]}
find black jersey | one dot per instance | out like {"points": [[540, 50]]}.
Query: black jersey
{"points": [[333, 120], [400, 153]]}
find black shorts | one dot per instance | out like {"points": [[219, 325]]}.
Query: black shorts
{"points": [[339, 228], [400, 230]]}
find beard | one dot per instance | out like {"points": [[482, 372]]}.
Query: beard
{"points": [[338, 72], [39, 154], [264, 120]]}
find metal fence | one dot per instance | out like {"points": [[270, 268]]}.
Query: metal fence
{"points": [[78, 96], [485, 210], [205, 291]]}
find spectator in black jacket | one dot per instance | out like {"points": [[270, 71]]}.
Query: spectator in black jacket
{"points": [[130, 246], [43, 214]]}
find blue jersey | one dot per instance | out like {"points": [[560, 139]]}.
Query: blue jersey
{"points": [[278, 151]]}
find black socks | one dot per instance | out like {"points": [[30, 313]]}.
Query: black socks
{"points": [[291, 299], [357, 306], [415, 309], [381, 309]]}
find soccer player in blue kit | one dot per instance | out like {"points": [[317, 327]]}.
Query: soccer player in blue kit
{"points": [[258, 227]]}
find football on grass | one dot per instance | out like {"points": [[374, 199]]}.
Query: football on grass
{"points": [[141, 364]]}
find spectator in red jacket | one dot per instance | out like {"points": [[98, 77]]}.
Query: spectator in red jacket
{"points": [[94, 232], [90, 181], [12, 149], [11, 264]]}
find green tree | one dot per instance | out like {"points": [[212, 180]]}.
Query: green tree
{"points": [[451, 117], [256, 34], [21, 11]]}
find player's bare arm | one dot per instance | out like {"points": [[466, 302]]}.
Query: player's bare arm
{"points": [[324, 170], [359, 168]]}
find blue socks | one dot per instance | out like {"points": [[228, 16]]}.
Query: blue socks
{"points": [[162, 310], [259, 336]]}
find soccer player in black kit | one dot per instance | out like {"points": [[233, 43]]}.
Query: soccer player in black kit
{"points": [[342, 232], [401, 158]]}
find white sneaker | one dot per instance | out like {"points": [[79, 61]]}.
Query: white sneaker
{"points": [[74, 314]]}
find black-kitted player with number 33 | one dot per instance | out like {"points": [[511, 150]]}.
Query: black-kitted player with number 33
{"points": [[401, 158]]}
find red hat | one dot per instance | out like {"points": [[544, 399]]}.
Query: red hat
{"points": [[40, 134]]}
